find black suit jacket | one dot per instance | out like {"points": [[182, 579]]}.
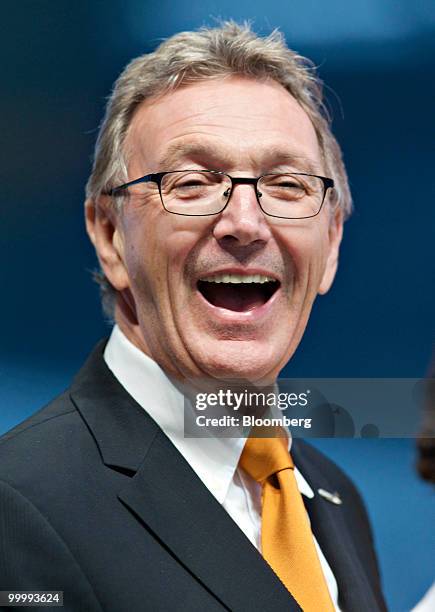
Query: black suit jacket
{"points": [[96, 501]]}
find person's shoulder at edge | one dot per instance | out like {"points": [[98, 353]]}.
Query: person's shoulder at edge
{"points": [[42, 443], [50, 429], [56, 407]]}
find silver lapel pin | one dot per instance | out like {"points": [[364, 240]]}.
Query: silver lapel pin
{"points": [[334, 498]]}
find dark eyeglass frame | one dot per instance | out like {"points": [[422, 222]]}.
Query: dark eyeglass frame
{"points": [[157, 177]]}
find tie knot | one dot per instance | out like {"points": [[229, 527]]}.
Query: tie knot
{"points": [[262, 457]]}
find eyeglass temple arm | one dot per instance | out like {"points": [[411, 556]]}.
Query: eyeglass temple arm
{"points": [[148, 178]]}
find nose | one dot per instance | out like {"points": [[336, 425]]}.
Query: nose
{"points": [[242, 222]]}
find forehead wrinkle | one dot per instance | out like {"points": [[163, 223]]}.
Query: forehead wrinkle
{"points": [[212, 152], [193, 150]]}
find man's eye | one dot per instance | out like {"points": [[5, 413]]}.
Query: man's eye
{"points": [[191, 183], [289, 185]]}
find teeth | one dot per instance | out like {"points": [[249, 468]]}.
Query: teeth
{"points": [[238, 278]]}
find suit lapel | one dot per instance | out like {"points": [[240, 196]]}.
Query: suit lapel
{"points": [[174, 504], [331, 531], [169, 498]]}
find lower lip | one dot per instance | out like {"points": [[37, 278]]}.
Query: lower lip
{"points": [[250, 316]]}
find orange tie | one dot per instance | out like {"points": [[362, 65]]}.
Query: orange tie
{"points": [[286, 538]]}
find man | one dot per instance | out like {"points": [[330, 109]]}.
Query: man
{"points": [[215, 205]]}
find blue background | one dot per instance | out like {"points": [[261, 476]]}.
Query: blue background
{"points": [[59, 60]]}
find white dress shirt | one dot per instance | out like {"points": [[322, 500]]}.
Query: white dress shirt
{"points": [[215, 460]]}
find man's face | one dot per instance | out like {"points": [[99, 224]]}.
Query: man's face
{"points": [[220, 330]]}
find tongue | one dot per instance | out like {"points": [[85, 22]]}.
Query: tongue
{"points": [[240, 297]]}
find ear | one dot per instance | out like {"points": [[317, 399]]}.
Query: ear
{"points": [[103, 225], [335, 234]]}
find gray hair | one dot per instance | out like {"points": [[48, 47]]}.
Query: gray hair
{"points": [[189, 57]]}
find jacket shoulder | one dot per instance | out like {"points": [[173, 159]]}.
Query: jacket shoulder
{"points": [[58, 407], [43, 445]]}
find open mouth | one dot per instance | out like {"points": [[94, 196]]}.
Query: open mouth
{"points": [[236, 292]]}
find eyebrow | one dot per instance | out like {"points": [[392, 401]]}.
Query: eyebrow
{"points": [[216, 158]]}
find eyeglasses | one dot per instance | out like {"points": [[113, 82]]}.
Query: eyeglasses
{"points": [[199, 193]]}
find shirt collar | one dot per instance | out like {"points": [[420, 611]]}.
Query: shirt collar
{"points": [[213, 459]]}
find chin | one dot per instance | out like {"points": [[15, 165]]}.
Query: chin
{"points": [[238, 360]]}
